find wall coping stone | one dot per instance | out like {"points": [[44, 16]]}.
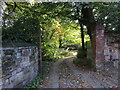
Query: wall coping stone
{"points": [[4, 48]]}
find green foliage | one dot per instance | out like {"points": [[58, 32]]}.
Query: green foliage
{"points": [[81, 53], [52, 52], [35, 83], [56, 21], [65, 53], [89, 50], [23, 30], [82, 59], [108, 14], [105, 13]]}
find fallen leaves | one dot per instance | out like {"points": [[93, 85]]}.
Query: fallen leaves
{"points": [[69, 79]]}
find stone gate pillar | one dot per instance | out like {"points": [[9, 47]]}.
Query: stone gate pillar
{"points": [[100, 42]]}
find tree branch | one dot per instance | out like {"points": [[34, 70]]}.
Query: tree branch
{"points": [[8, 4], [15, 5]]}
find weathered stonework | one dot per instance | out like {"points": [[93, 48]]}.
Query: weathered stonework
{"points": [[99, 47], [19, 66], [107, 49], [112, 49]]}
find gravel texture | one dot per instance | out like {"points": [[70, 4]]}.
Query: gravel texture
{"points": [[64, 74]]}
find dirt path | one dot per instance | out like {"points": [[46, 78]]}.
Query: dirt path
{"points": [[64, 74]]}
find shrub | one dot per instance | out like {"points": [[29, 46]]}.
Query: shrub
{"points": [[81, 53], [89, 63], [82, 59], [83, 62]]}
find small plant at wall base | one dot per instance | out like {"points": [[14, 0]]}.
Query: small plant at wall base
{"points": [[82, 59], [37, 81], [81, 53]]}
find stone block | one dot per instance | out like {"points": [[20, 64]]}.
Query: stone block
{"points": [[115, 63], [25, 52], [11, 85], [12, 79], [13, 72], [18, 55], [24, 64], [5, 82], [1, 87], [32, 62], [0, 81], [18, 78], [9, 52], [99, 65], [18, 61], [1, 65], [107, 58], [19, 50], [27, 76], [6, 77], [18, 70], [26, 58], [26, 69], [32, 58]]}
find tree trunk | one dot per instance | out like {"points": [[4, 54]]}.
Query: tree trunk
{"points": [[39, 52], [90, 22], [60, 42], [92, 34], [82, 36], [82, 30]]}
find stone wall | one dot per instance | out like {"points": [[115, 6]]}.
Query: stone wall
{"points": [[112, 48], [107, 49], [19, 66]]}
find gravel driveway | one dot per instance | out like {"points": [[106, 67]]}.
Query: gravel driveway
{"points": [[64, 74]]}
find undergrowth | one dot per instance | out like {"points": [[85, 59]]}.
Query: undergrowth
{"points": [[37, 81], [82, 59]]}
